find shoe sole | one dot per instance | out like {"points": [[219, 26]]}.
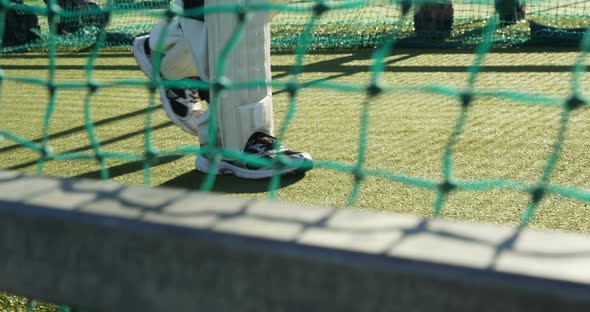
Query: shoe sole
{"points": [[224, 168], [141, 58]]}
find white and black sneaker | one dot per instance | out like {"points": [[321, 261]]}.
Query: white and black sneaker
{"points": [[182, 106], [261, 145]]}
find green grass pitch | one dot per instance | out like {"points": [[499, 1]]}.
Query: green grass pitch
{"points": [[407, 132]]}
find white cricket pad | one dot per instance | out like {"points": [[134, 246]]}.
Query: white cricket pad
{"points": [[176, 60], [195, 36], [241, 112]]}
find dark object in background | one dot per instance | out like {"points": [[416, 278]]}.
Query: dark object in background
{"points": [[540, 32], [536, 27], [434, 20], [510, 11], [21, 27], [89, 13]]}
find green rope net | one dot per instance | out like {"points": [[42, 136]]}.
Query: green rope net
{"points": [[343, 24], [303, 26]]}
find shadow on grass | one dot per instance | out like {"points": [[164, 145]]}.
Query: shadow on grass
{"points": [[126, 168], [83, 127], [123, 137], [81, 67], [81, 56], [193, 180], [338, 65], [341, 66]]}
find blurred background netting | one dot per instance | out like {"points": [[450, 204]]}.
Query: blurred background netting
{"points": [[346, 25]]}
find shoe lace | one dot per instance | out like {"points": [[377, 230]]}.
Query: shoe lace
{"points": [[183, 101], [187, 97], [265, 143], [192, 95]]}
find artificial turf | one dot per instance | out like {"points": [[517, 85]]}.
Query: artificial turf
{"points": [[408, 130]]}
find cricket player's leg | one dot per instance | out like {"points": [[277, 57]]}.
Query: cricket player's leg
{"points": [[185, 53], [182, 105], [244, 115]]}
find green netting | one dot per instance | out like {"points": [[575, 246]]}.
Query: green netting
{"points": [[304, 26], [346, 24]]}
